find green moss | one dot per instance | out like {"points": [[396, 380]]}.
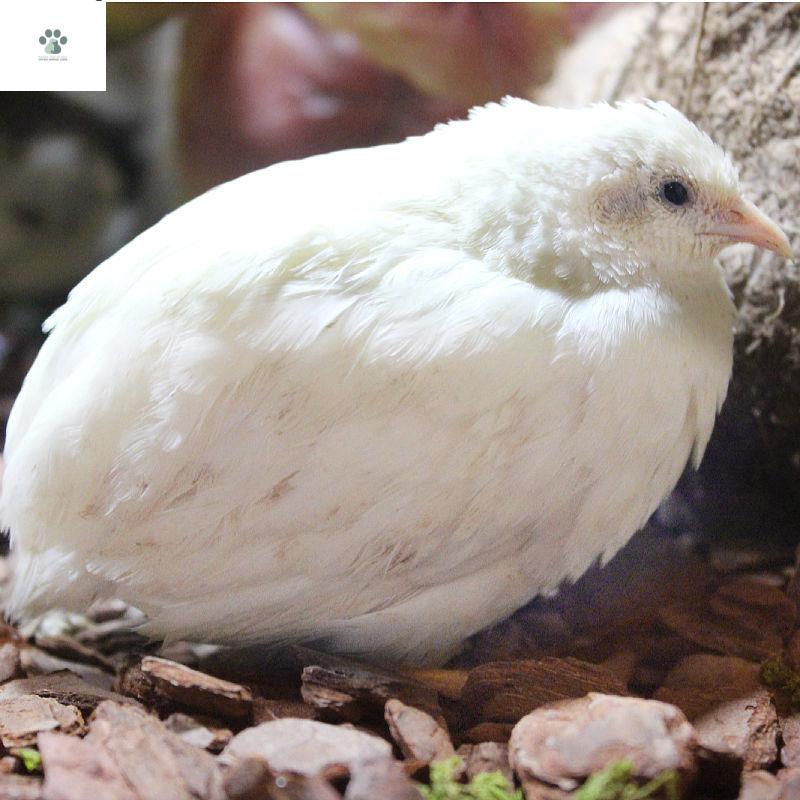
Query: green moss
{"points": [[31, 759], [486, 786], [616, 782], [776, 674]]}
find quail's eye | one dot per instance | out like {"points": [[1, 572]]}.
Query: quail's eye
{"points": [[675, 193]]}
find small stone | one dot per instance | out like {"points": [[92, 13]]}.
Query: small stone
{"points": [[155, 762], [790, 783], [732, 713], [8, 765], [383, 778], [250, 779], [76, 770], [418, 735], [790, 735], [305, 747], [760, 785], [561, 744], [21, 787]]}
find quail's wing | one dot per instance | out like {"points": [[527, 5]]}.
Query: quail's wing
{"points": [[255, 411]]}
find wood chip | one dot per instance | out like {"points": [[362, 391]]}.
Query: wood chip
{"points": [[418, 735], [563, 743], [267, 709], [65, 687], [157, 681], [730, 710], [335, 684], [447, 682], [76, 770], [22, 718], [383, 778], [155, 762], [305, 747], [742, 618], [505, 691]]}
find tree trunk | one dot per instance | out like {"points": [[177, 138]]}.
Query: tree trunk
{"points": [[734, 69]]}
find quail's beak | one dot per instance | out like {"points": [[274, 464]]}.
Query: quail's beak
{"points": [[743, 222]]}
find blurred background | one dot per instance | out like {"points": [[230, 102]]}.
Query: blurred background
{"points": [[202, 93]]}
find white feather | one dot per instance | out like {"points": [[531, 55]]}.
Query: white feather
{"points": [[367, 397]]}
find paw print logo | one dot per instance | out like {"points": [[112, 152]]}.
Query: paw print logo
{"points": [[52, 41]]}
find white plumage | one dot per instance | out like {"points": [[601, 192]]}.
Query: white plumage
{"points": [[381, 398]]}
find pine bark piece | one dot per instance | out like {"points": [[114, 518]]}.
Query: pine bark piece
{"points": [[331, 680], [504, 691], [160, 683], [156, 763], [447, 682], [76, 770], [732, 713], [267, 709], [499, 732], [305, 747], [383, 778], [65, 687], [561, 744], [743, 618], [418, 735], [22, 718], [485, 757]]}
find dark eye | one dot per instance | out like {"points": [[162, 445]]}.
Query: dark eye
{"points": [[675, 193]]}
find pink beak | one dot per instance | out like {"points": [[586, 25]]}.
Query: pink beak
{"points": [[745, 223]]}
